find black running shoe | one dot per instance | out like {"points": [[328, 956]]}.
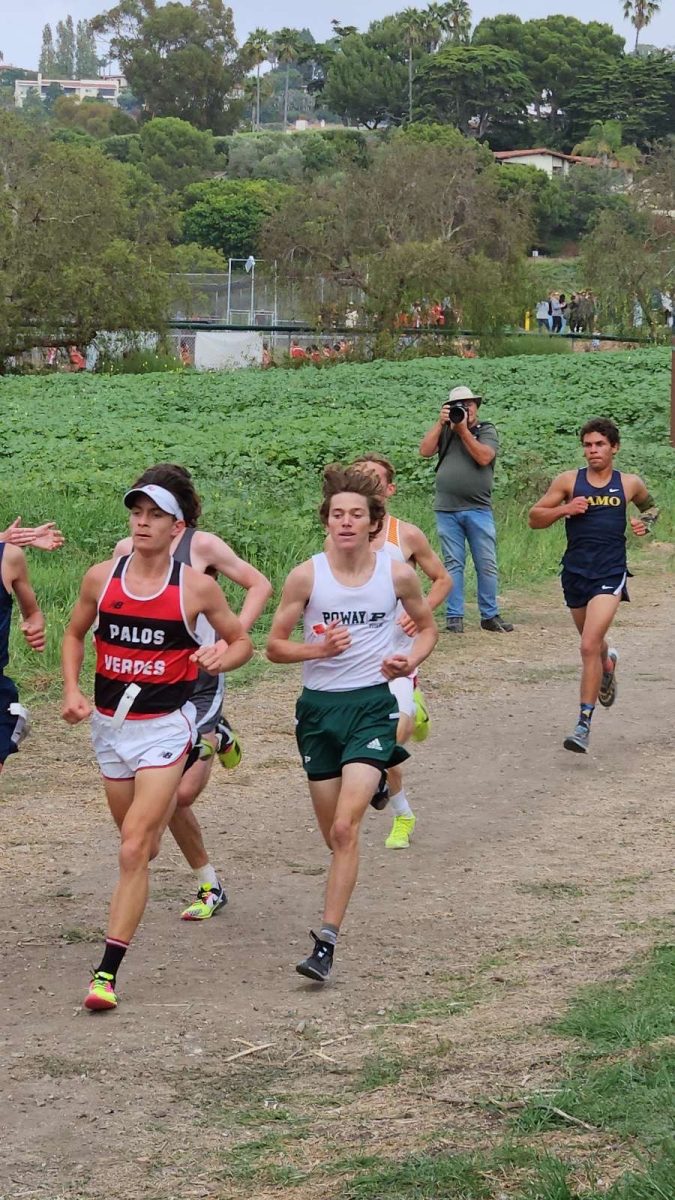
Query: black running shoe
{"points": [[381, 798], [319, 964]]}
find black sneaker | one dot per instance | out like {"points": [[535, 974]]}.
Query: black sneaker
{"points": [[381, 798], [454, 625], [319, 964], [496, 625]]}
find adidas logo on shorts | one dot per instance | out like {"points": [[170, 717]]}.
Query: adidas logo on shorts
{"points": [[374, 745]]}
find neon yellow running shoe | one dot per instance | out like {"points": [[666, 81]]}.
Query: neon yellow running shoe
{"points": [[229, 746], [422, 720], [209, 900], [401, 833], [101, 994]]}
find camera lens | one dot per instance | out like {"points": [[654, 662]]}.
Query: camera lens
{"points": [[457, 412]]}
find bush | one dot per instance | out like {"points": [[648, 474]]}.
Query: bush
{"points": [[525, 343], [138, 362]]}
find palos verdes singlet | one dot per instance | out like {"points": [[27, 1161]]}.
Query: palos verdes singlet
{"points": [[392, 547], [5, 617], [596, 539], [369, 612], [144, 640]]}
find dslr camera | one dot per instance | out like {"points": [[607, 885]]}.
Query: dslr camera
{"points": [[457, 410]]}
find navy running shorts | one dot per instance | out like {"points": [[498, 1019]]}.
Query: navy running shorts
{"points": [[578, 590]]}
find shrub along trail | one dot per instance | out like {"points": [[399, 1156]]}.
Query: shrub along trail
{"points": [[533, 872]]}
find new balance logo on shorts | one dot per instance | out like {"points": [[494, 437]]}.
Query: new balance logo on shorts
{"points": [[165, 754], [374, 745]]}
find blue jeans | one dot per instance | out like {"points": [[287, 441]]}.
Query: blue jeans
{"points": [[477, 527]]}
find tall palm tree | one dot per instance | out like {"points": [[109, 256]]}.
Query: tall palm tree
{"points": [[256, 49], [640, 13], [414, 26], [455, 18], [287, 45]]}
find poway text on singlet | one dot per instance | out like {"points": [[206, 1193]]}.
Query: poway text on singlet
{"points": [[368, 611]]}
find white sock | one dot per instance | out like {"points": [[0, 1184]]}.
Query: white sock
{"points": [[399, 805], [206, 874]]}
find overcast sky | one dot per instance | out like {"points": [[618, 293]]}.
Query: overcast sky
{"points": [[21, 26]]}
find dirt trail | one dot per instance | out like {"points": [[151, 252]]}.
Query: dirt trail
{"points": [[555, 862]]}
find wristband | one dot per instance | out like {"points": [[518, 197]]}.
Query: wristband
{"points": [[647, 503]]}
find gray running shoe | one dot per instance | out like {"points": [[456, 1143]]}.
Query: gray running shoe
{"points": [[578, 741], [454, 625], [607, 693], [319, 964]]}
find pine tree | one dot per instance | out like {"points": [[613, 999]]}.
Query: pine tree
{"points": [[86, 59], [47, 59], [64, 66]]}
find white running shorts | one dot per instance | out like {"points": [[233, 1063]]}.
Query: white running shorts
{"points": [[139, 745], [403, 691]]}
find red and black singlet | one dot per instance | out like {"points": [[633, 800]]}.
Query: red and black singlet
{"points": [[144, 640]]}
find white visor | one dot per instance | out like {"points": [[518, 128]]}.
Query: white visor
{"points": [[163, 498]]}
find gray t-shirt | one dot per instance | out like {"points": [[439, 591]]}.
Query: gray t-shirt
{"points": [[460, 482]]}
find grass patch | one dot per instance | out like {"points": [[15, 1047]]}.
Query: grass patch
{"points": [[548, 890], [655, 1182], [424, 1010], [611, 1016], [249, 1161], [435, 1176], [634, 1097], [379, 1070]]}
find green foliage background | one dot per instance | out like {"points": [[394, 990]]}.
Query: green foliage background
{"points": [[257, 443]]}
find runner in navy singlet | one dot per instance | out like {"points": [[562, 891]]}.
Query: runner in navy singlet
{"points": [[144, 608], [14, 581], [593, 501], [208, 553]]}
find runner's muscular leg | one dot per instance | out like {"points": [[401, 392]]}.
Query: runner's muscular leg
{"points": [[597, 618], [359, 781], [141, 828], [325, 794], [184, 826]]}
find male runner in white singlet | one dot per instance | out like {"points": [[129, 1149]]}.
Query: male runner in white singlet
{"points": [[346, 717], [208, 553], [405, 543], [144, 610]]}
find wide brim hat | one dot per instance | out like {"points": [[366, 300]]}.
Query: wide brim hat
{"points": [[464, 393]]}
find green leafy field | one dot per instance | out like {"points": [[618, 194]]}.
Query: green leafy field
{"points": [[257, 442]]}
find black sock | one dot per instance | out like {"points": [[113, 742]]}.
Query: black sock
{"points": [[585, 713], [329, 933], [112, 956]]}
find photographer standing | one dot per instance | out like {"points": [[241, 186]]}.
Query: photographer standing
{"points": [[466, 449]]}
